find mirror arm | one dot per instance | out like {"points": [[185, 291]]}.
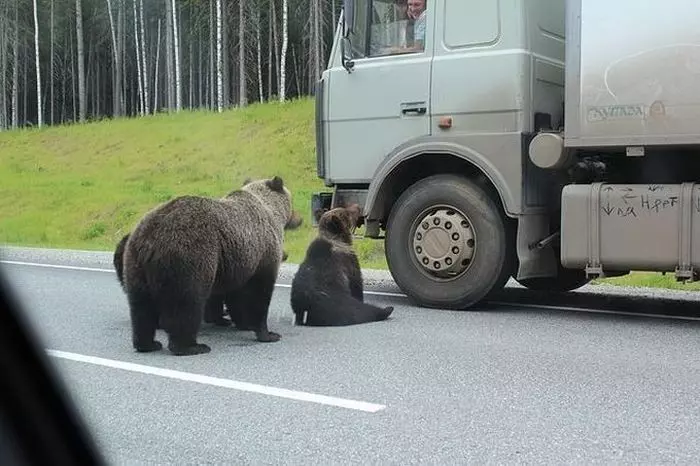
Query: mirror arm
{"points": [[345, 44]]}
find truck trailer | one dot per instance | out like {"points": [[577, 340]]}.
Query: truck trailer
{"points": [[552, 141]]}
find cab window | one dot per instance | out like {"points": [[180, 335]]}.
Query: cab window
{"points": [[395, 27]]}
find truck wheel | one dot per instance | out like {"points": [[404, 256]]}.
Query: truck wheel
{"points": [[566, 280], [446, 242]]}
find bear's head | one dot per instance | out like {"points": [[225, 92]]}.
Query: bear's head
{"points": [[275, 195], [339, 224], [318, 213]]}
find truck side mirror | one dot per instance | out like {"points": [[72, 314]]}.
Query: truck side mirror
{"points": [[346, 54]]}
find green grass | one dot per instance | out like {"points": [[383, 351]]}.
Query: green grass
{"points": [[84, 186], [651, 280]]}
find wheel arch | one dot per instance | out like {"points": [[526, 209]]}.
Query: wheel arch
{"points": [[409, 164]]}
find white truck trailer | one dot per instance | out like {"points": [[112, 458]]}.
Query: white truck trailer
{"points": [[549, 140]]}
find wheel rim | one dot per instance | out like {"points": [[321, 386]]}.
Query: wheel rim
{"points": [[443, 243]]}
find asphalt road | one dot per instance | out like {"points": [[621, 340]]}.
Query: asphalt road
{"points": [[498, 384]]}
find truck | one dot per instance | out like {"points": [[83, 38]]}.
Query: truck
{"points": [[551, 141]]}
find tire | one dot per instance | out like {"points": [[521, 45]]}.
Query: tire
{"points": [[491, 252], [566, 280]]}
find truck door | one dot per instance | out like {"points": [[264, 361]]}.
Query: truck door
{"points": [[385, 100]]}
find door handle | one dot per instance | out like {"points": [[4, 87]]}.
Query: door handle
{"points": [[414, 108]]}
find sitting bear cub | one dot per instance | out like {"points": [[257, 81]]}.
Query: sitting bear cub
{"points": [[327, 288], [196, 251]]}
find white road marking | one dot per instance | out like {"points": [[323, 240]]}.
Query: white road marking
{"points": [[593, 311], [401, 295], [93, 269], [219, 382], [54, 266]]}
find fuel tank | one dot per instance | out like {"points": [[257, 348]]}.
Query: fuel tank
{"points": [[631, 227]]}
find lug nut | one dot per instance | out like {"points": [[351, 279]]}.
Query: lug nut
{"points": [[455, 236]]}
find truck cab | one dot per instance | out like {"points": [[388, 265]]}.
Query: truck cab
{"points": [[445, 121]]}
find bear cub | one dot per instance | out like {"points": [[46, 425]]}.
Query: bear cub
{"points": [[191, 254], [327, 289]]}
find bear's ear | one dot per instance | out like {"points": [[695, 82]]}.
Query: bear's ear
{"points": [[318, 213], [355, 212], [276, 184], [334, 225]]}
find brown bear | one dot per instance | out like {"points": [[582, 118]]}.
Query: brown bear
{"points": [[327, 289], [214, 312], [192, 252]]}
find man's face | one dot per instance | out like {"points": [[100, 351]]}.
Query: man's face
{"points": [[415, 8]]}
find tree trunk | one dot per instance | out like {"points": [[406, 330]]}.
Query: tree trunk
{"points": [[242, 84], [82, 95], [270, 45], [176, 53], [64, 80], [169, 51], [200, 70], [15, 71], [321, 36], [191, 67], [258, 25], [74, 86], [318, 39], [297, 69], [146, 98], [213, 60], [139, 76], [277, 50], [98, 89], [4, 20], [39, 117], [51, 66], [283, 59], [225, 66], [88, 78], [123, 79], [25, 92], [155, 74], [116, 108], [219, 74]]}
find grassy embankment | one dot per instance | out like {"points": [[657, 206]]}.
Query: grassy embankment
{"points": [[84, 186]]}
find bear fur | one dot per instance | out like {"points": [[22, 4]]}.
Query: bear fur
{"points": [[327, 289], [214, 312], [118, 259], [191, 254]]}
